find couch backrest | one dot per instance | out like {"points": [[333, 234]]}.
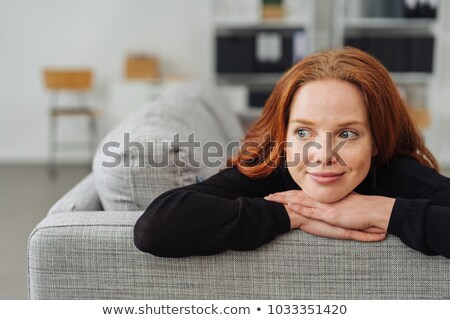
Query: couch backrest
{"points": [[138, 160]]}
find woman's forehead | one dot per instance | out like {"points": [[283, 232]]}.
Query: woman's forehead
{"points": [[328, 100]]}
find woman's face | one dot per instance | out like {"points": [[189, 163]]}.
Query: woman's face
{"points": [[329, 143]]}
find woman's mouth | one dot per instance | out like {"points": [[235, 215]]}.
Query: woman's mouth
{"points": [[326, 177]]}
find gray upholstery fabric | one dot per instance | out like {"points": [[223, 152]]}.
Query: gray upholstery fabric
{"points": [[185, 110], [90, 255], [82, 197]]}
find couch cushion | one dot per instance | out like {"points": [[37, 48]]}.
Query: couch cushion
{"points": [[137, 160], [216, 105]]}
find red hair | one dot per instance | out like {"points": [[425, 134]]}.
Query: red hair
{"points": [[393, 130]]}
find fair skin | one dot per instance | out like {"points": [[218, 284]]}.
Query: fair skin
{"points": [[329, 150]]}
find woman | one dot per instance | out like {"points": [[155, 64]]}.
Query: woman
{"points": [[335, 153]]}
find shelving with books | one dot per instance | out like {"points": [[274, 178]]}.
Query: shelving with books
{"points": [[401, 34], [256, 41]]}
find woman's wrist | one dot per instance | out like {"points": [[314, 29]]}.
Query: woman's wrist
{"points": [[382, 210]]}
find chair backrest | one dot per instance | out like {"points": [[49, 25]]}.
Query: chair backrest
{"points": [[61, 79]]}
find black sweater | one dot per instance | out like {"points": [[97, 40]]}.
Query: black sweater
{"points": [[227, 211]]}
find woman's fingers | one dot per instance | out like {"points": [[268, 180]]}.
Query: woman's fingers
{"points": [[281, 198], [352, 214], [366, 236], [322, 229], [307, 212], [292, 196], [374, 230], [317, 214]]}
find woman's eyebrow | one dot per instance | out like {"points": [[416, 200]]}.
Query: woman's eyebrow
{"points": [[343, 124], [352, 123], [307, 122]]}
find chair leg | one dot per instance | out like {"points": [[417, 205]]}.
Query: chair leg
{"points": [[52, 172]]}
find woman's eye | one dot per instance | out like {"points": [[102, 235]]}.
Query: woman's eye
{"points": [[303, 133], [347, 134]]}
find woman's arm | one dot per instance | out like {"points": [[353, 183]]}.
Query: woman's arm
{"points": [[422, 225], [223, 212], [415, 206], [226, 211], [417, 222], [421, 215]]}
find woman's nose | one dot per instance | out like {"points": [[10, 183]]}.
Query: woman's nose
{"points": [[321, 150]]}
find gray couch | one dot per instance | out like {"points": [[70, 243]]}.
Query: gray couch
{"points": [[84, 248]]}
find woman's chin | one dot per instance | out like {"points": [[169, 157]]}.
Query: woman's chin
{"points": [[325, 197]]}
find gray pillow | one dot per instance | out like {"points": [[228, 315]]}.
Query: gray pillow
{"points": [[227, 121], [137, 161]]}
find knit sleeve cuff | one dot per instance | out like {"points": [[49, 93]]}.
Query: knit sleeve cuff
{"points": [[408, 223], [282, 222], [395, 225]]}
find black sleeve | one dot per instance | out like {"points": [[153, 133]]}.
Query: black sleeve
{"points": [[421, 213], [224, 212], [422, 226]]}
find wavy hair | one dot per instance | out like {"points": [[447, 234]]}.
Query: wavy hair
{"points": [[262, 148]]}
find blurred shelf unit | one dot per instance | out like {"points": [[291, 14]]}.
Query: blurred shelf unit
{"points": [[238, 13], [389, 23], [400, 33], [256, 41]]}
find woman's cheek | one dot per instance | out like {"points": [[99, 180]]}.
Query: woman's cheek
{"points": [[352, 151], [292, 151], [347, 156], [357, 157]]}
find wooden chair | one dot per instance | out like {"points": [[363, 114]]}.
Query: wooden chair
{"points": [[78, 83]]}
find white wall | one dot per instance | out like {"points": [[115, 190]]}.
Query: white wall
{"points": [[87, 33], [99, 34]]}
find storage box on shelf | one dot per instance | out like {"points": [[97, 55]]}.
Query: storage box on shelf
{"points": [[401, 34], [254, 51]]}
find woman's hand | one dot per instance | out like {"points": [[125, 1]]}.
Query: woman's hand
{"points": [[357, 217], [323, 229]]}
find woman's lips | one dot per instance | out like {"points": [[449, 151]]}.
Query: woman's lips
{"points": [[326, 178]]}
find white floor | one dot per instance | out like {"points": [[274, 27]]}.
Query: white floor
{"points": [[26, 194]]}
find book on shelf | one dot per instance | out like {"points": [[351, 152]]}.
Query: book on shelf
{"points": [[398, 53]]}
